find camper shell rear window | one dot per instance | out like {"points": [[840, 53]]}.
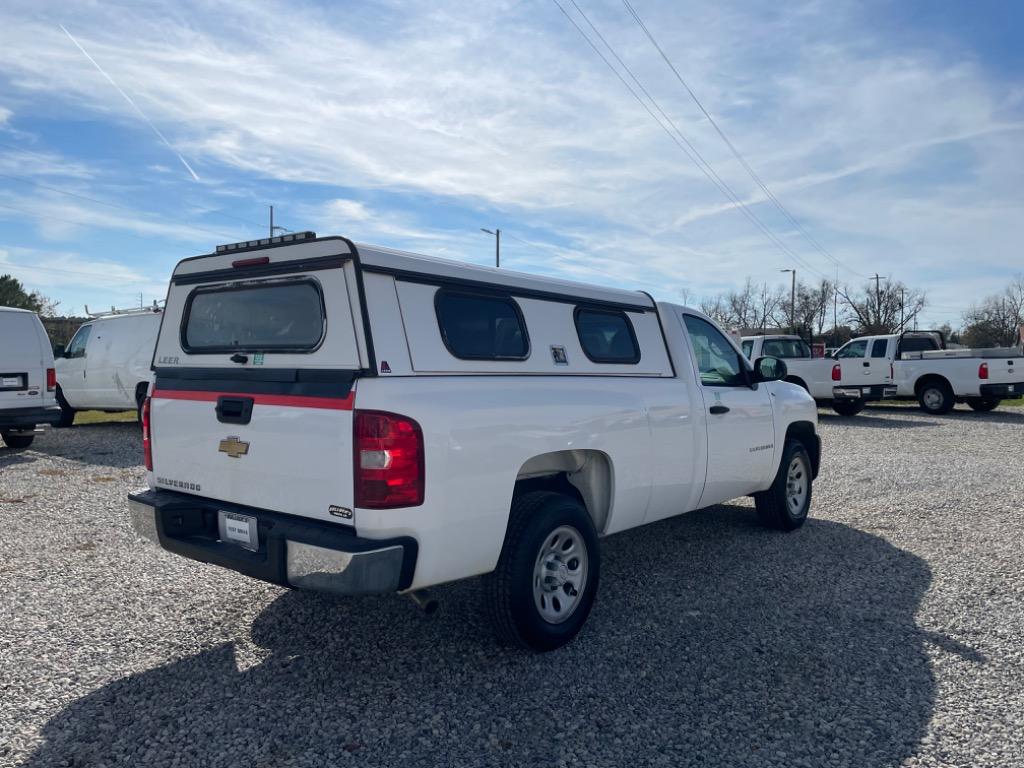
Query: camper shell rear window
{"points": [[278, 316]]}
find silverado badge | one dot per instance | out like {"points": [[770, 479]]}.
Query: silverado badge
{"points": [[233, 447]]}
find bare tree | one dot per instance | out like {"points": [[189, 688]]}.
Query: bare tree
{"points": [[882, 307], [997, 320]]}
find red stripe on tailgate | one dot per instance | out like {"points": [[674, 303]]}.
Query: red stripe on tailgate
{"points": [[289, 401]]}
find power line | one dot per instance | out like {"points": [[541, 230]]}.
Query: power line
{"points": [[682, 142], [105, 278], [732, 148]]}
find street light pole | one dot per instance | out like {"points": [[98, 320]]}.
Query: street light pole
{"points": [[497, 245], [792, 300]]}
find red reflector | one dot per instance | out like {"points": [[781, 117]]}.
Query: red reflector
{"points": [[983, 371], [388, 460], [256, 260], [147, 434], [837, 373], [51, 379]]}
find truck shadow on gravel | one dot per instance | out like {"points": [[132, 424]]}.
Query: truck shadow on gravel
{"points": [[115, 445], [872, 421], [998, 416], [713, 642]]}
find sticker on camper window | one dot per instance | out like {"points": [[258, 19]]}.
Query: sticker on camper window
{"points": [[257, 359], [558, 355], [384, 367]]}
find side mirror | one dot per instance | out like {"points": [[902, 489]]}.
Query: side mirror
{"points": [[769, 369], [58, 350]]}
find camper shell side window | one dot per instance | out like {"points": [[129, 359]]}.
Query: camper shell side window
{"points": [[606, 336], [481, 326]]}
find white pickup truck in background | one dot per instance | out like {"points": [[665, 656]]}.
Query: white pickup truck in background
{"points": [[846, 381], [355, 420], [939, 378]]}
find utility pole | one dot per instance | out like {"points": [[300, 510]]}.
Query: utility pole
{"points": [[835, 306], [497, 245], [902, 304], [792, 300], [878, 300], [271, 221]]}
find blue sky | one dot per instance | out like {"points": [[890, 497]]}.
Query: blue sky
{"points": [[892, 132]]}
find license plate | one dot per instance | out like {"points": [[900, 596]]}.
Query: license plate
{"points": [[10, 381], [238, 529]]}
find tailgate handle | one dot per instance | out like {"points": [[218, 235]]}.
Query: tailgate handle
{"points": [[234, 410]]}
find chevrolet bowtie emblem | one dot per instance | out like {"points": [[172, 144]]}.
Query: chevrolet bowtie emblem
{"points": [[233, 447]]}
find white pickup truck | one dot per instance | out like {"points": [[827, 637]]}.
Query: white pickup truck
{"points": [[355, 420], [939, 378], [845, 380]]}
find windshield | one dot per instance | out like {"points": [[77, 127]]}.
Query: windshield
{"points": [[282, 316]]}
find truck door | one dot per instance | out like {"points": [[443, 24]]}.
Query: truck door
{"points": [[876, 365], [853, 361], [740, 427]]}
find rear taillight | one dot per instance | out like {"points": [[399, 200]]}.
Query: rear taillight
{"points": [[837, 373], [51, 379], [147, 434], [388, 457], [983, 371]]}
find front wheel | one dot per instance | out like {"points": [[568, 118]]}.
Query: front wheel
{"points": [[67, 413], [848, 407], [17, 442], [542, 591], [785, 505], [983, 404]]}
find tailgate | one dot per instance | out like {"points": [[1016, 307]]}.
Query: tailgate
{"points": [[1005, 370], [255, 377]]}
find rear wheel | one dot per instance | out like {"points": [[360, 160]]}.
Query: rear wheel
{"points": [[17, 442], [983, 404], [936, 397], [848, 407], [542, 591], [784, 506], [67, 413]]}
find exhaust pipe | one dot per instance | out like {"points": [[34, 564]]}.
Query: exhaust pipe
{"points": [[425, 601]]}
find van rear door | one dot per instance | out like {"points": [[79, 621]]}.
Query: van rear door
{"points": [[23, 360], [255, 367]]}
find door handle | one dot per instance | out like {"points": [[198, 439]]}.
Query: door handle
{"points": [[866, 364], [719, 409], [234, 410]]}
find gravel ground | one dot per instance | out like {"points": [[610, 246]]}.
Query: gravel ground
{"points": [[888, 631]]}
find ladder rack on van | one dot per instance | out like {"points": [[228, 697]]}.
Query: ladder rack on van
{"points": [[130, 311]]}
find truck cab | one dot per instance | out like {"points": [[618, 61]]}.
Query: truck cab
{"points": [[846, 380]]}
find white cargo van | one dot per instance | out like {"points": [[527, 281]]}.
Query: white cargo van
{"points": [[357, 420], [27, 377], [106, 365]]}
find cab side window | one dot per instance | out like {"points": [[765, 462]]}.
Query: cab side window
{"points": [[77, 346], [718, 361], [878, 347], [748, 347], [853, 349]]}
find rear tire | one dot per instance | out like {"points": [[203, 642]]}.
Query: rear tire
{"points": [[543, 588], [17, 442], [848, 407], [983, 404], [67, 413], [936, 398], [784, 506]]}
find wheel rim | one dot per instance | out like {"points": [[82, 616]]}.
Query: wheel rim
{"points": [[797, 484], [560, 574], [932, 398]]}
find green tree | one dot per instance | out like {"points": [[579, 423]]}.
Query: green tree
{"points": [[13, 294]]}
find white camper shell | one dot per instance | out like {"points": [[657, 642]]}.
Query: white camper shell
{"points": [[357, 420], [27, 377]]}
